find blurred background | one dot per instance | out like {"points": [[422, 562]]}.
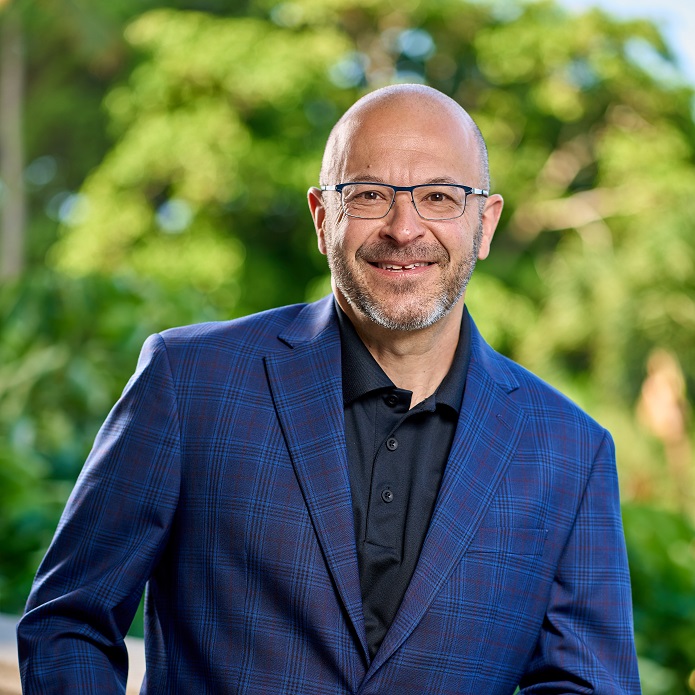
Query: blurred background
{"points": [[154, 159]]}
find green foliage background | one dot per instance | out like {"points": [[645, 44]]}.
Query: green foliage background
{"points": [[179, 142]]}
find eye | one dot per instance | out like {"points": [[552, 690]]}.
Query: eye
{"points": [[370, 195], [438, 196], [366, 194]]}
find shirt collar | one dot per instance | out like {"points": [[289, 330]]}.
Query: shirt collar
{"points": [[362, 373]]}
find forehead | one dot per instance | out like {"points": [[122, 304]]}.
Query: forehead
{"points": [[412, 142]]}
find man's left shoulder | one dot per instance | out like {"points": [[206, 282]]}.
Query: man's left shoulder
{"points": [[539, 399]]}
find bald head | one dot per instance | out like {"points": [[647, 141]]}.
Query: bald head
{"points": [[423, 109], [401, 270]]}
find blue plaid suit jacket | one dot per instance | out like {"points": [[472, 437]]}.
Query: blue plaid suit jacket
{"points": [[220, 478]]}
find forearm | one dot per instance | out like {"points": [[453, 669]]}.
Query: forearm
{"points": [[109, 540]]}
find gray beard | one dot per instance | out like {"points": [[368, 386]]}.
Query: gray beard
{"points": [[412, 313]]}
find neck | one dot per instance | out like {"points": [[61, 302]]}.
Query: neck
{"points": [[414, 360]]}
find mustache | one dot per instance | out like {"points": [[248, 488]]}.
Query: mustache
{"points": [[387, 250]]}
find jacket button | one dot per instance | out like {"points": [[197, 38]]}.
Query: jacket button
{"points": [[387, 496], [391, 400], [392, 444]]}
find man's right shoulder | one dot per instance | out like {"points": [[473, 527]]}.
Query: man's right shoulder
{"points": [[214, 346], [255, 331]]}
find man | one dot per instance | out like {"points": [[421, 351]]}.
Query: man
{"points": [[351, 496]]}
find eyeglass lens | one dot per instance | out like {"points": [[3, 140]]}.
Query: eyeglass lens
{"points": [[372, 201]]}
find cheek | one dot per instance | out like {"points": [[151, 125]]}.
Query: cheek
{"points": [[457, 239], [343, 235], [340, 220]]}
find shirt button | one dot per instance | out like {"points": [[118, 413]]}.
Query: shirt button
{"points": [[391, 400], [392, 444], [387, 496]]}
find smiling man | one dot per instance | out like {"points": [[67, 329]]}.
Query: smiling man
{"points": [[352, 496], [401, 259]]}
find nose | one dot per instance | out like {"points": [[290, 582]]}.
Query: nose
{"points": [[403, 224]]}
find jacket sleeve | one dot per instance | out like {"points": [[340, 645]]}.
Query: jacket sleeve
{"points": [[109, 538], [586, 643]]}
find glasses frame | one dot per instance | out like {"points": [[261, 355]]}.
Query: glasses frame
{"points": [[468, 190]]}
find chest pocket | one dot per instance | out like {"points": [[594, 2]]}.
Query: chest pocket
{"points": [[508, 541]]}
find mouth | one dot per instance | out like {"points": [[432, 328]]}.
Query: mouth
{"points": [[398, 268]]}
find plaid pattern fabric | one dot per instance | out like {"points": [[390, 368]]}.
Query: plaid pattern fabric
{"points": [[220, 479]]}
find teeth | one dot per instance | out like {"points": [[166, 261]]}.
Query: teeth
{"points": [[390, 266]]}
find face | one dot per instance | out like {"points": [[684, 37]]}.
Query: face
{"points": [[402, 272], [394, 284]]}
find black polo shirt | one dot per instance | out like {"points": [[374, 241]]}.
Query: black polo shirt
{"points": [[396, 459]]}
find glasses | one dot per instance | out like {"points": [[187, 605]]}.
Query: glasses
{"points": [[432, 201]]}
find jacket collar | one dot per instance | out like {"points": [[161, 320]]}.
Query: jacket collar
{"points": [[320, 317]]}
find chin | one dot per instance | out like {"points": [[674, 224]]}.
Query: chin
{"points": [[412, 318]]}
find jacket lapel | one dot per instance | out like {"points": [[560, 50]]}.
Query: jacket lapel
{"points": [[490, 426], [307, 390], [306, 386]]}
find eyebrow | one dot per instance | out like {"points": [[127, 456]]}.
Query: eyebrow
{"points": [[367, 178], [370, 178]]}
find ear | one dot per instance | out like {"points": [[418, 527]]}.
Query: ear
{"points": [[490, 218], [318, 214]]}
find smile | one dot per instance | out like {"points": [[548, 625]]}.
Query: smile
{"points": [[393, 267]]}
